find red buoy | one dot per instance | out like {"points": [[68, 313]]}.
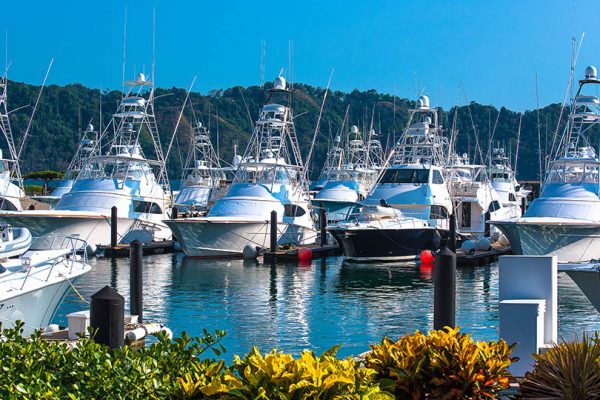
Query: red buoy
{"points": [[426, 256], [304, 254]]}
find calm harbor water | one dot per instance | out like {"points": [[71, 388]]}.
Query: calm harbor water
{"points": [[293, 307]]}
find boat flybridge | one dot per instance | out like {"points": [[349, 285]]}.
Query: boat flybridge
{"points": [[33, 285], [408, 208], [122, 176], [474, 197], [270, 177], [202, 173], [11, 194], [505, 183], [88, 147], [565, 220], [348, 175]]}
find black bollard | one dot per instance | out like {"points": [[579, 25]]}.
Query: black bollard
{"points": [[107, 314], [113, 226], [174, 212], [273, 231], [323, 226], [452, 238], [444, 289], [486, 224], [136, 303], [523, 205]]}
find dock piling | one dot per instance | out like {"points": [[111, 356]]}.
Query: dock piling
{"points": [[452, 238], [174, 212], [444, 289], [113, 226], [323, 226], [273, 231], [136, 280], [107, 314], [523, 205], [486, 221]]}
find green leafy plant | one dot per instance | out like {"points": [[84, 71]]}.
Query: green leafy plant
{"points": [[279, 376], [565, 371], [444, 364]]}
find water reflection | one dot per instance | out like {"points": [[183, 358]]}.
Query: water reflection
{"points": [[319, 305]]}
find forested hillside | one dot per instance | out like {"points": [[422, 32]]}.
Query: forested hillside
{"points": [[64, 111]]}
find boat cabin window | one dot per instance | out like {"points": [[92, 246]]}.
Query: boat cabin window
{"points": [[146, 207], [405, 176], [437, 177], [6, 205], [494, 205], [573, 173], [500, 175], [512, 197], [438, 212], [292, 210]]}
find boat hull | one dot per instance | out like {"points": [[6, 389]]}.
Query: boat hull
{"points": [[37, 309], [205, 238], [387, 244], [93, 228], [570, 243]]}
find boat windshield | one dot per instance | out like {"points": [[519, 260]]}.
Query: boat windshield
{"points": [[405, 176], [266, 174], [573, 173], [116, 169]]}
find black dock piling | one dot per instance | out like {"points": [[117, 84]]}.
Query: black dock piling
{"points": [[107, 314], [174, 212], [273, 231], [523, 205], [136, 280], [113, 226], [444, 289], [452, 238], [323, 226], [486, 219]]}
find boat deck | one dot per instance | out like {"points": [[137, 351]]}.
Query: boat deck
{"points": [[122, 250]]}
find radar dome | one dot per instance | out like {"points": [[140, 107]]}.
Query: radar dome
{"points": [[425, 100], [372, 132], [338, 139], [279, 83], [428, 120], [354, 129], [141, 77], [90, 127], [591, 72], [419, 103]]}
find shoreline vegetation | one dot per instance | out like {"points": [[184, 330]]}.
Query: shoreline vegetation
{"points": [[65, 111]]}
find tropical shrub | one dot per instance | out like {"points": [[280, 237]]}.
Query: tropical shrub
{"points": [[444, 364], [279, 376], [565, 371], [42, 369]]}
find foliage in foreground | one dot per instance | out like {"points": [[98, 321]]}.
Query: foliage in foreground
{"points": [[565, 371], [444, 364]]}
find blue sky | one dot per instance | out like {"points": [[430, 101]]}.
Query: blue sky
{"points": [[493, 47]]}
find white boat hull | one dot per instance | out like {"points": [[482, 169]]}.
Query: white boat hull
{"points": [[36, 310], [93, 228], [207, 238], [569, 242]]}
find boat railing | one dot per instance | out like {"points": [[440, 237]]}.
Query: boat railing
{"points": [[77, 252]]}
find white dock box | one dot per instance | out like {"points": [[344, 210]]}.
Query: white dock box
{"points": [[78, 323]]}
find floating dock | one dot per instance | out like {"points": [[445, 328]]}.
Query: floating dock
{"points": [[481, 257], [122, 250], [317, 251]]}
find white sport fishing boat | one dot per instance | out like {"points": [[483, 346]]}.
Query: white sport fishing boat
{"points": [[202, 174], [473, 196], [348, 175], [121, 177], [33, 286], [505, 183], [407, 210], [10, 194], [270, 177], [565, 220]]}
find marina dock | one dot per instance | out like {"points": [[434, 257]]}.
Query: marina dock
{"points": [[480, 258], [122, 249], [290, 255]]}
